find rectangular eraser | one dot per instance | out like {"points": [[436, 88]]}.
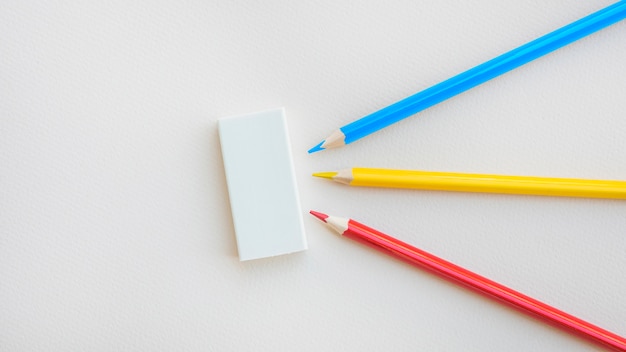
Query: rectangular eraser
{"points": [[261, 184]]}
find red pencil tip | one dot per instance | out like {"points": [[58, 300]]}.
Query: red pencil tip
{"points": [[318, 215]]}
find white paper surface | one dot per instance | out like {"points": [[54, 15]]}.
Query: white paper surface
{"points": [[115, 232]]}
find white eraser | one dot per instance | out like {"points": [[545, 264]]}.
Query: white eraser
{"points": [[261, 184]]}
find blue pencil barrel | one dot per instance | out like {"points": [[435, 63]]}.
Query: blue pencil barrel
{"points": [[484, 72]]}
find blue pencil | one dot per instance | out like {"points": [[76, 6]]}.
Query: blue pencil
{"points": [[473, 77]]}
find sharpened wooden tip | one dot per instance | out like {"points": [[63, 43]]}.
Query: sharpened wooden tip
{"points": [[328, 175]]}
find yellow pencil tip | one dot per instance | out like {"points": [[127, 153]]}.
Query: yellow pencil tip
{"points": [[329, 175]]}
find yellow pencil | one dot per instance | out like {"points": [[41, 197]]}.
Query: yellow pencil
{"points": [[462, 182]]}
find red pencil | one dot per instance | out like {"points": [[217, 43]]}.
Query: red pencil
{"points": [[387, 244]]}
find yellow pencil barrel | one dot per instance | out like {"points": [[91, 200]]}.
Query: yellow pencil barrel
{"points": [[463, 182]]}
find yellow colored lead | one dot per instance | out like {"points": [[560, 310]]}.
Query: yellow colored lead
{"points": [[329, 175]]}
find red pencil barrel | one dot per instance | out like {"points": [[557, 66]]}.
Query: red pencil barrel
{"points": [[418, 257]]}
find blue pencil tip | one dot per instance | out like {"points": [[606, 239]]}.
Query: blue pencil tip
{"points": [[317, 148]]}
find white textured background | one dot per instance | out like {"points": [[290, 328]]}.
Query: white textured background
{"points": [[115, 228]]}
